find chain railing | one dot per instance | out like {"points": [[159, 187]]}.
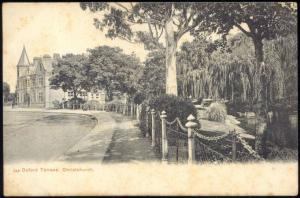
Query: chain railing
{"points": [[178, 143]]}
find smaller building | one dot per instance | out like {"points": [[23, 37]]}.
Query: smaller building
{"points": [[95, 95]]}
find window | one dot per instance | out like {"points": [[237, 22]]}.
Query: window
{"points": [[32, 82], [41, 99], [28, 82], [70, 93], [41, 82]]}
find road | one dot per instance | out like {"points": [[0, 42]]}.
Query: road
{"points": [[39, 136]]}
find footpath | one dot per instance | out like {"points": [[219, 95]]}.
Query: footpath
{"points": [[115, 139]]}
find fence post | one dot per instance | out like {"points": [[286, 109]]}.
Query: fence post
{"points": [[137, 112], [123, 109], [164, 136], [147, 121], [153, 127], [131, 110], [191, 141], [233, 145]]}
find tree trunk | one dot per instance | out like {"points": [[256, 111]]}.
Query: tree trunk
{"points": [[171, 45], [259, 55]]}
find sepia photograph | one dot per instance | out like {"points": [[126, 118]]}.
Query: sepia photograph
{"points": [[150, 98]]}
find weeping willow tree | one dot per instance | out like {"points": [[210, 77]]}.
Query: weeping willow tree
{"points": [[235, 75]]}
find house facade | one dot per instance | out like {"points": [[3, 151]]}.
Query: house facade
{"points": [[33, 88]]}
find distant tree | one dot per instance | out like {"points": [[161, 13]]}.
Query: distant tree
{"points": [[264, 21], [171, 19], [112, 70], [5, 91], [70, 73]]}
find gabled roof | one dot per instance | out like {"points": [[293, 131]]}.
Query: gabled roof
{"points": [[23, 61]]}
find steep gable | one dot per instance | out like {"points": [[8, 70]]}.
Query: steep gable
{"points": [[23, 61]]}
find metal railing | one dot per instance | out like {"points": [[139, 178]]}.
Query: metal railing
{"points": [[180, 143]]}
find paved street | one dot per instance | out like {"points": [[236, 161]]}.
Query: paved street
{"points": [[38, 136], [60, 136]]}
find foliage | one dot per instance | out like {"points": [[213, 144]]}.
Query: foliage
{"points": [[56, 104], [93, 104], [217, 112], [152, 81], [74, 102], [85, 107], [174, 106], [5, 91], [263, 21], [139, 97], [172, 19], [235, 76], [70, 74], [111, 69]]}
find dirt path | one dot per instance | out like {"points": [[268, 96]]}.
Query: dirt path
{"points": [[128, 145]]}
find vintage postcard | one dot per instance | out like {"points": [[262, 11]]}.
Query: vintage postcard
{"points": [[141, 98]]}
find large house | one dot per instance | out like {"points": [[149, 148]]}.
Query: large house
{"points": [[33, 89]]}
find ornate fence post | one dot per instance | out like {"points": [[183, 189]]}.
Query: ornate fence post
{"points": [[191, 124], [233, 145], [153, 127], [164, 136]]}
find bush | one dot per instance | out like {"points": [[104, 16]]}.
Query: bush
{"points": [[138, 98], [217, 112], [173, 106], [69, 104], [85, 107], [56, 104], [93, 104]]}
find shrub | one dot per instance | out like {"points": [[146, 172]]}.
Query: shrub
{"points": [[74, 102], [56, 104], [93, 104], [138, 98], [85, 107], [217, 112], [173, 106]]}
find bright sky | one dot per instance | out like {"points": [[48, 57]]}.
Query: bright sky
{"points": [[47, 28]]}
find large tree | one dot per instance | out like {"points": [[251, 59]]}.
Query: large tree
{"points": [[70, 74], [259, 21], [171, 19], [111, 69]]}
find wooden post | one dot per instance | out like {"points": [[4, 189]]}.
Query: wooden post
{"points": [[124, 108], [147, 121], [191, 124], [153, 127], [131, 110], [164, 137], [233, 145], [137, 112]]}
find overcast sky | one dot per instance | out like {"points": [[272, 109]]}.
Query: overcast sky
{"points": [[47, 28]]}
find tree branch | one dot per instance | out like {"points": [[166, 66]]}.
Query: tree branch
{"points": [[120, 5], [243, 30]]}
